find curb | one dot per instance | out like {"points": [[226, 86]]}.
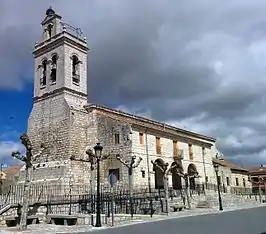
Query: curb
{"points": [[207, 212]]}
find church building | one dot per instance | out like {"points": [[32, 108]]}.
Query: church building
{"points": [[68, 124]]}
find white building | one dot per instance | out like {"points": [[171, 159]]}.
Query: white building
{"points": [[62, 119]]}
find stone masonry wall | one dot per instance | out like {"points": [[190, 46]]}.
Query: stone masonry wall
{"points": [[56, 122], [83, 132], [107, 128], [167, 156], [49, 123]]}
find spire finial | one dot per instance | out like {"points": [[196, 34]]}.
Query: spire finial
{"points": [[50, 11]]}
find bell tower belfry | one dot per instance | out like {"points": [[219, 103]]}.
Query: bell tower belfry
{"points": [[60, 60], [60, 89]]}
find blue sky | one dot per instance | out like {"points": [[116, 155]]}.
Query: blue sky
{"points": [[16, 106], [205, 73]]}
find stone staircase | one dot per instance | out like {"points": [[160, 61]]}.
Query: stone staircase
{"points": [[231, 200], [7, 207]]}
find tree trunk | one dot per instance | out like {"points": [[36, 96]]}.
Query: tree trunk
{"points": [[130, 191], [25, 199], [187, 191], [166, 193]]}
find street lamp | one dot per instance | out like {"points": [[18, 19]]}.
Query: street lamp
{"points": [[98, 154], [92, 162], [216, 168]]}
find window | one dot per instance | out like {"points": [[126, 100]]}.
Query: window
{"points": [[141, 140], [158, 145], [49, 29], [115, 172], [190, 151], [244, 182], [237, 182], [44, 73], [53, 68], [175, 148], [117, 139], [227, 181], [142, 173], [75, 69]]}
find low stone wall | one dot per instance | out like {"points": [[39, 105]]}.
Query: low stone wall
{"points": [[159, 205]]}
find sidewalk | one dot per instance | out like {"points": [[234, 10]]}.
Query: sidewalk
{"points": [[52, 229]]}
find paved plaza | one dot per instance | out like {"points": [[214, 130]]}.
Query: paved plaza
{"points": [[245, 220]]}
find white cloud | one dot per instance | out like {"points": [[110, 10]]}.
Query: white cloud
{"points": [[6, 149], [205, 73]]}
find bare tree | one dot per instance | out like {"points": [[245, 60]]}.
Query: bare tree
{"points": [[260, 181], [166, 171], [130, 166], [27, 159], [186, 177]]}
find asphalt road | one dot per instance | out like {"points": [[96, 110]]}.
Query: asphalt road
{"points": [[249, 221]]}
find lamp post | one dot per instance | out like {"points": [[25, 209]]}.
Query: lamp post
{"points": [[133, 164], [98, 154], [216, 168], [99, 157]]}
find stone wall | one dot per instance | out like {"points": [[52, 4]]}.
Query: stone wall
{"points": [[106, 130], [204, 165]]}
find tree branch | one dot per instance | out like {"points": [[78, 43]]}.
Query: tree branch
{"points": [[137, 163], [170, 170], [121, 160], [255, 182], [106, 156], [158, 166], [18, 156]]}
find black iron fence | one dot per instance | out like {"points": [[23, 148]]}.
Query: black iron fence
{"points": [[82, 199], [69, 199]]}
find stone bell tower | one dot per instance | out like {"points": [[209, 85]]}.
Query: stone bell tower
{"points": [[60, 86], [60, 61]]}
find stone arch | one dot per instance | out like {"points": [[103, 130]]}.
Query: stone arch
{"points": [[44, 72], [75, 68], [53, 74], [192, 171], [176, 178], [158, 174]]}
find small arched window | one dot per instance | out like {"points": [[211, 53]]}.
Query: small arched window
{"points": [[75, 69], [54, 68], [44, 73], [49, 29]]}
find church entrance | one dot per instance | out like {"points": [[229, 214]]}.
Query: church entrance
{"points": [[158, 174], [176, 178], [192, 172]]}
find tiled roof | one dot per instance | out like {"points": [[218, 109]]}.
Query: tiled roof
{"points": [[260, 169], [154, 123], [12, 170], [225, 163]]}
